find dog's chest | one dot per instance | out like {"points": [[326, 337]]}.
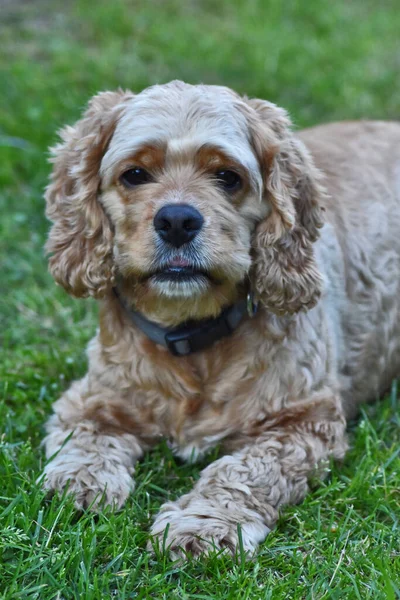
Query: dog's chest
{"points": [[197, 402], [192, 401]]}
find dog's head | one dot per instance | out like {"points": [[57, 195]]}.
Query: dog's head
{"points": [[185, 195]]}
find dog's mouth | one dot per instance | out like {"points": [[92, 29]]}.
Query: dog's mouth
{"points": [[178, 270], [180, 274]]}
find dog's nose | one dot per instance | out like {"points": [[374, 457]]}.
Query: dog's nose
{"points": [[178, 224]]}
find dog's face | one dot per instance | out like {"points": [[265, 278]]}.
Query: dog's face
{"points": [[182, 188], [184, 194]]}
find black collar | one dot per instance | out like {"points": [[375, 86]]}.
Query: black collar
{"points": [[192, 336]]}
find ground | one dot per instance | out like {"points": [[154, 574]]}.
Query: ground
{"points": [[322, 61]]}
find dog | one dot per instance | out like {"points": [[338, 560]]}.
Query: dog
{"points": [[248, 281]]}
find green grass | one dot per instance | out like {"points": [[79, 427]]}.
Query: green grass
{"points": [[322, 61]]}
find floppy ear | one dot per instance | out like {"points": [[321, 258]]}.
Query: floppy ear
{"points": [[284, 274], [80, 240]]}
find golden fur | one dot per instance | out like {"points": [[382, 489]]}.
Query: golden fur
{"points": [[313, 231]]}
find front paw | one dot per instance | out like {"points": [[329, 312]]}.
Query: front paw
{"points": [[93, 484], [202, 528]]}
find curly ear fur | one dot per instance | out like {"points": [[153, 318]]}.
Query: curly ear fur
{"points": [[80, 239], [284, 272]]}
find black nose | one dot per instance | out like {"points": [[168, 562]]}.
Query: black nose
{"points": [[178, 224]]}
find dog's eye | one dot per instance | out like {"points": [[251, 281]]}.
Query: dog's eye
{"points": [[135, 176], [229, 180]]}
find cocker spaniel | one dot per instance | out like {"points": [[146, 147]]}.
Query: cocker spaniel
{"points": [[248, 281]]}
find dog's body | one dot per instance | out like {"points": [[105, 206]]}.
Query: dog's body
{"points": [[276, 393]]}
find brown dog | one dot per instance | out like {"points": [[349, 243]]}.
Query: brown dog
{"points": [[180, 208]]}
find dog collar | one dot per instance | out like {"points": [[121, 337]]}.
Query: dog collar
{"points": [[192, 336]]}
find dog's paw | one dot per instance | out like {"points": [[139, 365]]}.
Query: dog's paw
{"points": [[200, 528], [92, 484]]}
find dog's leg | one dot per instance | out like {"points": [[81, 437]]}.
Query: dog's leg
{"points": [[90, 454], [248, 487]]}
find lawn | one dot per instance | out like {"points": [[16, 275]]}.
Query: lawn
{"points": [[322, 61]]}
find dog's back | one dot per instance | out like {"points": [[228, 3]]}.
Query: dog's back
{"points": [[361, 166]]}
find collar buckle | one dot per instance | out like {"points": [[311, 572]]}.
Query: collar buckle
{"points": [[177, 344]]}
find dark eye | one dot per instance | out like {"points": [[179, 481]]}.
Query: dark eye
{"points": [[229, 180], [135, 176]]}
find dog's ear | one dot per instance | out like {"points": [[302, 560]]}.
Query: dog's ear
{"points": [[80, 240], [284, 274]]}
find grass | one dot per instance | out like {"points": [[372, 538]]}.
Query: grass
{"points": [[322, 61]]}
